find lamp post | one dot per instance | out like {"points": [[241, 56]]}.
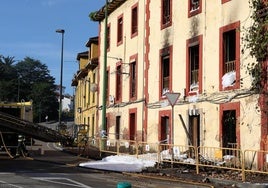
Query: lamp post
{"points": [[61, 67], [104, 88]]}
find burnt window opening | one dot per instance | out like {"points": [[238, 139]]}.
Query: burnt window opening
{"points": [[132, 126], [164, 135], [120, 30], [134, 21], [194, 5], [133, 79], [229, 51], [229, 132], [108, 42], [194, 67], [166, 12], [118, 82], [165, 74], [117, 127], [107, 86]]}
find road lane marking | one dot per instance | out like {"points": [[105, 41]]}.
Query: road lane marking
{"points": [[9, 184], [58, 180]]}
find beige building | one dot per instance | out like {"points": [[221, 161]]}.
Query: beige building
{"points": [[158, 50], [85, 82]]}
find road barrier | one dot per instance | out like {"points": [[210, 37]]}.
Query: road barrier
{"points": [[248, 161]]}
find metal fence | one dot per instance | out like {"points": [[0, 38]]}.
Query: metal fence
{"points": [[248, 161]]}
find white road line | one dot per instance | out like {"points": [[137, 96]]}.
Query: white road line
{"points": [[57, 181], [9, 185]]}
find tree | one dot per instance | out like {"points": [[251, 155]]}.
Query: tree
{"points": [[38, 85], [8, 79]]}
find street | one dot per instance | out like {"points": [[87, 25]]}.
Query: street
{"points": [[54, 168]]}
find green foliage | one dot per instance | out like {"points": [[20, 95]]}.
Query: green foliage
{"points": [[8, 79], [38, 85], [256, 39], [92, 15], [29, 79]]}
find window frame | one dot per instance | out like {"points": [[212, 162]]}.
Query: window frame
{"points": [[223, 30], [133, 59], [134, 20], [164, 53], [118, 82], [120, 29], [196, 11], [108, 44], [198, 40], [164, 23]]}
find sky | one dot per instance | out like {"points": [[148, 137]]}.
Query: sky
{"points": [[28, 29]]}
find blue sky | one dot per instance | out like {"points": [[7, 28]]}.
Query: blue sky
{"points": [[28, 29]]}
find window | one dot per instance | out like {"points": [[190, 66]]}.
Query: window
{"points": [[134, 21], [108, 85], [88, 92], [166, 19], [229, 51], [133, 79], [133, 124], [108, 36], [229, 57], [194, 65], [93, 95], [120, 30], [195, 7], [118, 88], [117, 127], [229, 114], [165, 70]]}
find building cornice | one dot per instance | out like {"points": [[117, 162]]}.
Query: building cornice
{"points": [[100, 14]]}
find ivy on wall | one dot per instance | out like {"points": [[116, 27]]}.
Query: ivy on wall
{"points": [[256, 40]]}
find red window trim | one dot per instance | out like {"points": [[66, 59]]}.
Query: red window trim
{"points": [[165, 25], [224, 29], [118, 100], [170, 49], [131, 59], [195, 12], [132, 111], [166, 113], [224, 1], [108, 85], [131, 29], [198, 39], [119, 42], [109, 36], [230, 106]]}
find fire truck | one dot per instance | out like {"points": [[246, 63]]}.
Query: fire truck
{"points": [[16, 120], [9, 137]]}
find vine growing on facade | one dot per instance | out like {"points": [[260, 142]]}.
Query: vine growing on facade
{"points": [[256, 40]]}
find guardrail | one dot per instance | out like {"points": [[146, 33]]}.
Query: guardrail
{"points": [[244, 162]]}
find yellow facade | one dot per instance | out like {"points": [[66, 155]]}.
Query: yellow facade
{"points": [[86, 89]]}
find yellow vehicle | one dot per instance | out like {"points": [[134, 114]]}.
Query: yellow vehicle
{"points": [[9, 139]]}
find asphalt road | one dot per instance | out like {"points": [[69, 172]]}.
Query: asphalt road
{"points": [[49, 167]]}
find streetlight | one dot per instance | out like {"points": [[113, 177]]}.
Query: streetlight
{"points": [[104, 91], [61, 67]]}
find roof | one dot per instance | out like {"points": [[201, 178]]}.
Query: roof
{"points": [[82, 54], [100, 14], [93, 40]]}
